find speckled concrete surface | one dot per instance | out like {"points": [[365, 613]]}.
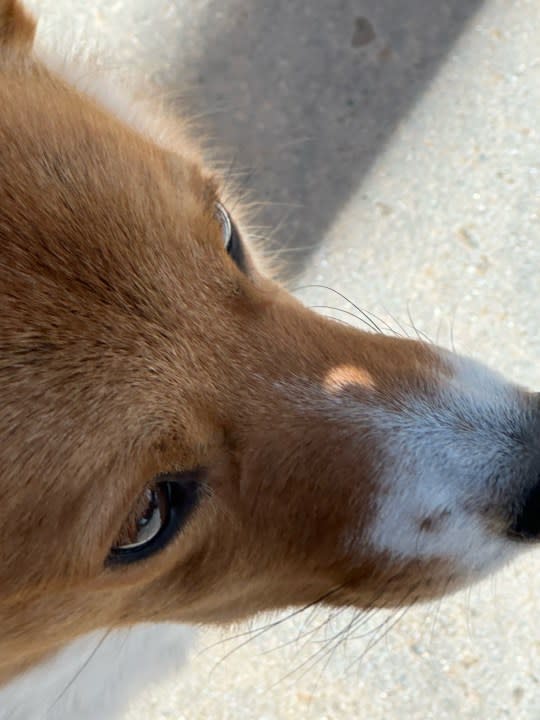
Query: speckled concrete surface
{"points": [[397, 147]]}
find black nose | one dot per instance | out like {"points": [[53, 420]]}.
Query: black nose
{"points": [[527, 523]]}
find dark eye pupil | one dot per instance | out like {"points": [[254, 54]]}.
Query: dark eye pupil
{"points": [[150, 510]]}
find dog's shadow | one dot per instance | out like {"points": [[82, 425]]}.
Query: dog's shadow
{"points": [[304, 95]]}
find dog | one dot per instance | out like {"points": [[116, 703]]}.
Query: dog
{"points": [[182, 441]]}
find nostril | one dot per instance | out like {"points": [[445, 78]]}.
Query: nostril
{"points": [[527, 524]]}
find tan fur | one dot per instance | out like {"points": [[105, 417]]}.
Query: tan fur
{"points": [[17, 27], [131, 345]]}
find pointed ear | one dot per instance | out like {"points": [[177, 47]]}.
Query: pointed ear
{"points": [[17, 26]]}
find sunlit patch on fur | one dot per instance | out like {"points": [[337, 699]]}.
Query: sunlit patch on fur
{"points": [[343, 376]]}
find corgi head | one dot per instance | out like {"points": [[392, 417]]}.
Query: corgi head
{"points": [[180, 438]]}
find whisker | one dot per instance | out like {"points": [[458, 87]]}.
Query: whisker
{"points": [[374, 325], [420, 334], [81, 669], [303, 634], [345, 312], [276, 203], [452, 343], [436, 614], [398, 323], [369, 313], [257, 632], [332, 643], [388, 625], [335, 319], [284, 251]]}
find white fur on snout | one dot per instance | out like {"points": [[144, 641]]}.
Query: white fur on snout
{"points": [[450, 464], [446, 464]]}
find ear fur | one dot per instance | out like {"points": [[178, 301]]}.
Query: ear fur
{"points": [[17, 26]]}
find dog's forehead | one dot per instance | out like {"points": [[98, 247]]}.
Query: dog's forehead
{"points": [[105, 240], [62, 148], [84, 193]]}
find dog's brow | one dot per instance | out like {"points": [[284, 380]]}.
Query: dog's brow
{"points": [[211, 194], [206, 186]]}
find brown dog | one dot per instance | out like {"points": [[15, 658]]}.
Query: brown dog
{"points": [[183, 442]]}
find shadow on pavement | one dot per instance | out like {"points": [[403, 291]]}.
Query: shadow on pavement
{"points": [[310, 92]]}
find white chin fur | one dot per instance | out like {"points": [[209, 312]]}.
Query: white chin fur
{"points": [[98, 675]]}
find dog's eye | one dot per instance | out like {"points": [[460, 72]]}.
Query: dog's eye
{"points": [[145, 520], [231, 237], [226, 225], [156, 517]]}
